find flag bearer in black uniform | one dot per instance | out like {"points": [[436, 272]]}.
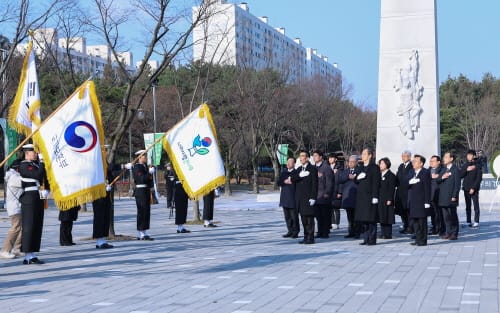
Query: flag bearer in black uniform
{"points": [[32, 204], [181, 205], [143, 179], [102, 212]]}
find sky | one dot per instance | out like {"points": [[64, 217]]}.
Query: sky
{"points": [[347, 31]]}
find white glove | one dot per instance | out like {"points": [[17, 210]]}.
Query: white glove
{"points": [[361, 175], [108, 187], [413, 181], [427, 205], [374, 200], [304, 173], [151, 170], [128, 166], [44, 194], [312, 202]]}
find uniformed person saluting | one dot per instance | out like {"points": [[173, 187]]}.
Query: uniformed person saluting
{"points": [[32, 204], [143, 179]]}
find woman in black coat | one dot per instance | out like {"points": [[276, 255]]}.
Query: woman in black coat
{"points": [[368, 181], [386, 198]]}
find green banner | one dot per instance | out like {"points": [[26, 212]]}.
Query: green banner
{"points": [[282, 153], [154, 154], [10, 137]]}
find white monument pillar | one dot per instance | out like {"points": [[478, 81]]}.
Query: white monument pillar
{"points": [[408, 90]]}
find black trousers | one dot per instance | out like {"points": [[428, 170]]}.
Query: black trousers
{"points": [[292, 220], [170, 194], [32, 213], [208, 206], [354, 228], [324, 218], [420, 227], [386, 230], [181, 205], [308, 225], [474, 198], [405, 219], [437, 219], [451, 220], [335, 215], [102, 216], [370, 233], [142, 200], [65, 235]]}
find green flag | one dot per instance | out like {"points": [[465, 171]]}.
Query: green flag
{"points": [[10, 136], [282, 153], [154, 154]]}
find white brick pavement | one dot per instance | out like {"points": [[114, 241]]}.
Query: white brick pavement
{"points": [[245, 266]]}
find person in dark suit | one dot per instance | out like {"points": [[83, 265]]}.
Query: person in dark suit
{"points": [[67, 218], [143, 178], [336, 167], [472, 177], [347, 178], [438, 225], [287, 199], [449, 187], [208, 209], [368, 181], [386, 199], [305, 178], [325, 192], [419, 199], [404, 173]]}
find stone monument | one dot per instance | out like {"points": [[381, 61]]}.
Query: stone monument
{"points": [[408, 90]]}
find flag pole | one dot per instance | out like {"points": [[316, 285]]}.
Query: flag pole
{"points": [[36, 130], [137, 158]]}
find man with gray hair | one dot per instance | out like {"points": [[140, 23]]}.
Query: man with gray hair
{"points": [[404, 174], [347, 178]]}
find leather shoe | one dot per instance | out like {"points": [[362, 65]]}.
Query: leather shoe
{"points": [[363, 243], [33, 261], [295, 236], [302, 241], [325, 237], [452, 237], [104, 246], [145, 238], [309, 242], [413, 243], [287, 235], [371, 244], [183, 231], [403, 231], [210, 225], [445, 237], [349, 236], [413, 237]]}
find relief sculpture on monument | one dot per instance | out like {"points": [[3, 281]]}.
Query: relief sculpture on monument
{"points": [[410, 92]]}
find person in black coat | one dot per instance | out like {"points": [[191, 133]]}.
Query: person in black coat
{"points": [[449, 187], [368, 181], [437, 220], [419, 200], [287, 200], [306, 193], [337, 168], [325, 192], [169, 184], [143, 179], [472, 177], [67, 218], [404, 173], [33, 176], [347, 178], [102, 211], [386, 198]]}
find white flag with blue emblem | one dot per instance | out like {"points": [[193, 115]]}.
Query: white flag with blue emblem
{"points": [[194, 151], [70, 142]]}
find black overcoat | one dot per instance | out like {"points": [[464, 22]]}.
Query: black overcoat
{"points": [[386, 193], [449, 187], [306, 188], [349, 188], [419, 194], [368, 188], [287, 194]]}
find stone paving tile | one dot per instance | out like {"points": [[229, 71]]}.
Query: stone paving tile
{"points": [[245, 266]]}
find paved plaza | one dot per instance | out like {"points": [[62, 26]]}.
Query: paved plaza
{"points": [[246, 266]]}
